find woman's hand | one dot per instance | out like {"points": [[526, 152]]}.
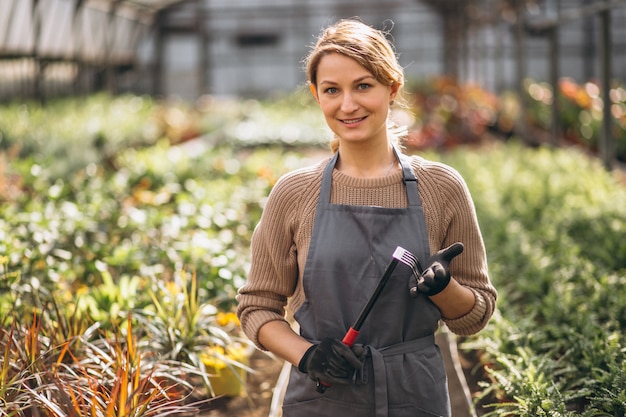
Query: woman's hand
{"points": [[330, 361], [436, 276], [453, 299]]}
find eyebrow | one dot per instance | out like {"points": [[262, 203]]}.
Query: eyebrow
{"points": [[358, 80]]}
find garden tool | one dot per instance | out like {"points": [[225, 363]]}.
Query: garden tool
{"points": [[399, 255]]}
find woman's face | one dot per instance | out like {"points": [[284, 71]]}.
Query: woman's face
{"points": [[354, 103]]}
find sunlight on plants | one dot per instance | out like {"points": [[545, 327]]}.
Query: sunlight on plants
{"points": [[125, 226]]}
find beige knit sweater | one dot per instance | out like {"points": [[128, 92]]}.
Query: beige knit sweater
{"points": [[280, 242]]}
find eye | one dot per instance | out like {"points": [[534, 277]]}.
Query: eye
{"points": [[331, 90], [363, 86]]}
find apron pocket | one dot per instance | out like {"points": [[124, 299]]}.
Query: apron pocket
{"points": [[324, 407], [417, 380], [410, 411]]}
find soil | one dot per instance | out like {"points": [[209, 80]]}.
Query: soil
{"points": [[474, 374]]}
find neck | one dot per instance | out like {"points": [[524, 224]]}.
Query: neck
{"points": [[361, 162]]}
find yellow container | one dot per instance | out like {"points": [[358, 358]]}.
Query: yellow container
{"points": [[227, 379]]}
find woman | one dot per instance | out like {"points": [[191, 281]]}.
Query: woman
{"points": [[327, 233]]}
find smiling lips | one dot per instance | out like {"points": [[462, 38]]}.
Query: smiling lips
{"points": [[352, 121]]}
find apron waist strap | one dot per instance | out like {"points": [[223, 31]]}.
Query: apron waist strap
{"points": [[406, 347], [380, 373]]}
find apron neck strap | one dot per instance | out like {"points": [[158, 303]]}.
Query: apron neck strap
{"points": [[408, 177], [327, 180]]}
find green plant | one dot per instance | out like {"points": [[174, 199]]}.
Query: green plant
{"points": [[108, 237], [289, 121], [552, 221], [9, 281], [179, 327], [87, 375], [105, 302], [69, 134], [114, 379]]}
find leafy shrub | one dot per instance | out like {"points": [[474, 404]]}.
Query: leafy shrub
{"points": [[447, 113], [90, 241], [553, 222], [86, 374], [580, 111], [93, 239]]}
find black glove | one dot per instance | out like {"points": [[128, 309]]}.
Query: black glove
{"points": [[436, 275], [330, 361]]}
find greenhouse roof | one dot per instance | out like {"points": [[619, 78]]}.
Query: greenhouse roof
{"points": [[87, 30], [148, 4]]}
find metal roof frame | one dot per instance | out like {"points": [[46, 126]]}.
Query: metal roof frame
{"points": [[44, 43], [145, 5], [62, 29]]}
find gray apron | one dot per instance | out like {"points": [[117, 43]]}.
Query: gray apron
{"points": [[403, 374]]}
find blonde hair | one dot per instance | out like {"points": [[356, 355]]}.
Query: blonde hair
{"points": [[367, 46]]}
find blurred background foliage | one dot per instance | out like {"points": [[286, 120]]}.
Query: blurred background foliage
{"points": [[125, 225]]}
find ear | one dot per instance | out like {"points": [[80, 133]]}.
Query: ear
{"points": [[395, 87], [314, 91]]}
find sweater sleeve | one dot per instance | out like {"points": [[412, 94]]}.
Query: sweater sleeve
{"points": [[451, 217], [273, 274]]}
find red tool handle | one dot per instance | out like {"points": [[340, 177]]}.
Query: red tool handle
{"points": [[350, 337]]}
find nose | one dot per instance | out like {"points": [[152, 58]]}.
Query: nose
{"points": [[348, 103]]}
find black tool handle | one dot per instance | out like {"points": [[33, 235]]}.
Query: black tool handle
{"points": [[353, 332]]}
